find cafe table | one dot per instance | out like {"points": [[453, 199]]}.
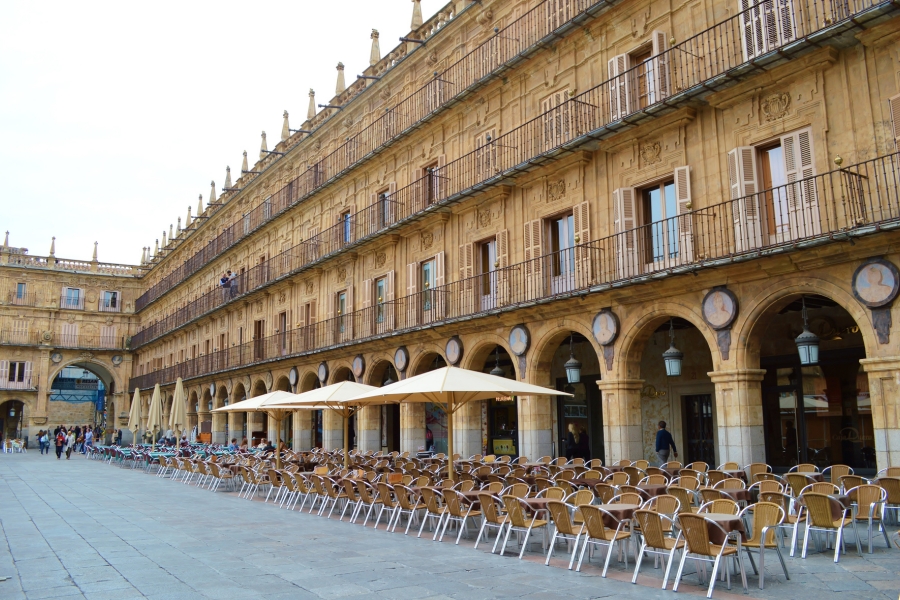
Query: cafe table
{"points": [[651, 490], [732, 524], [622, 512]]}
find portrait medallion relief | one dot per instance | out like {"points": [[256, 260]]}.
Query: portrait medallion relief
{"points": [[322, 372], [519, 340], [605, 327], [358, 366], [454, 350], [875, 283], [401, 358], [720, 307]]}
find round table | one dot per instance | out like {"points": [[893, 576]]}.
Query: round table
{"points": [[737, 495], [622, 512], [651, 490], [730, 523]]}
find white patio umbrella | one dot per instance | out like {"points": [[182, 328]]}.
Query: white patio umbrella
{"points": [[450, 388], [178, 415], [339, 397], [263, 403], [134, 415], [154, 417]]}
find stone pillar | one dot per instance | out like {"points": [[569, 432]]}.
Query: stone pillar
{"points": [[884, 393], [274, 429], [42, 376], [219, 435], [623, 438], [368, 429], [302, 430], [535, 426], [235, 426], [332, 430], [739, 415], [412, 427], [467, 429]]}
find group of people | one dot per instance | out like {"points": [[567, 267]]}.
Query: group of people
{"points": [[228, 283], [67, 439], [264, 445]]}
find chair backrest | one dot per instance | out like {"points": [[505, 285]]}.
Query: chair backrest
{"points": [[652, 528], [623, 463], [765, 514], [431, 500], [593, 521], [866, 495], [724, 506], [892, 486], [544, 459], [729, 466], [359, 488], [422, 481], [807, 468], [689, 482], [491, 508], [565, 474], [714, 476], [847, 482], [657, 479], [576, 462], [758, 468], [819, 509], [494, 487], [696, 534], [768, 486], [591, 474], [666, 504], [634, 474], [604, 492], [699, 465], [618, 478], [465, 486], [710, 494], [559, 512], [731, 483], [554, 493], [628, 498], [405, 497], [641, 464], [838, 471], [630, 489], [797, 481], [519, 490], [580, 498], [542, 483], [821, 487], [684, 495], [515, 511], [489, 458], [454, 505], [672, 464], [594, 463]]}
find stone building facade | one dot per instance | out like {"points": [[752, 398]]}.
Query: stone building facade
{"points": [[536, 180]]}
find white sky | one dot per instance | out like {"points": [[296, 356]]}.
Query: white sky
{"points": [[114, 116]]}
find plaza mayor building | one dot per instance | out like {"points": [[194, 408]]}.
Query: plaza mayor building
{"points": [[681, 212]]}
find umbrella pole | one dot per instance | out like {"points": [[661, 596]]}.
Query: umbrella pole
{"points": [[450, 471], [277, 442], [346, 440]]}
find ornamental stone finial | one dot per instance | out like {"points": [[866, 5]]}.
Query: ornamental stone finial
{"points": [[341, 86], [285, 127], [311, 111], [375, 52]]}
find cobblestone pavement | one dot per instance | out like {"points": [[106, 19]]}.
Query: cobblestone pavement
{"points": [[83, 529]]}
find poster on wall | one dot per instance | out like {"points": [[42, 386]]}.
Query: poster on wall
{"points": [[436, 422]]}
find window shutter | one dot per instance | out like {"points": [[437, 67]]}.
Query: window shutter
{"points": [[502, 243], [4, 372], [625, 220], [466, 272], [312, 245], [619, 88], [581, 217], [803, 203], [418, 191], [440, 183], [349, 316], [786, 26], [412, 299], [439, 296], [301, 321], [28, 371], [367, 286], [389, 300], [108, 336], [660, 67], [745, 201], [534, 266], [313, 312], [70, 334], [894, 108], [685, 219]]}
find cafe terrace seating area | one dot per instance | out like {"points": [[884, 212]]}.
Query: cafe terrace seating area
{"points": [[693, 523]]}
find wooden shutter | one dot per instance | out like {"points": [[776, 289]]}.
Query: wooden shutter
{"points": [[419, 194], [108, 336], [29, 367], [625, 221], [787, 32], [412, 298], [534, 265], [389, 302], [4, 373], [660, 67], [581, 217], [503, 275], [349, 315], [467, 283], [69, 334], [367, 286], [745, 200], [439, 295], [440, 183], [894, 108], [619, 87], [312, 245], [685, 219], [802, 199]]}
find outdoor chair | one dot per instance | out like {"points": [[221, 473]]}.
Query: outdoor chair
{"points": [[564, 529], [494, 516], [351, 497], [598, 534], [552, 493], [870, 501], [820, 511], [618, 478], [713, 477], [434, 509], [755, 469], [655, 527], [729, 466], [767, 486], [604, 492], [634, 474], [334, 493], [519, 490], [627, 498], [276, 483], [846, 482], [767, 518], [891, 485], [458, 510], [835, 472], [700, 466], [673, 465], [724, 506], [408, 503], [384, 501], [520, 522], [686, 481], [710, 494], [700, 549], [221, 474], [654, 479]]}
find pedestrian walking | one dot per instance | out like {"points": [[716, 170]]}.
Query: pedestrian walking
{"points": [[45, 442], [88, 440], [70, 444], [664, 441], [60, 441]]}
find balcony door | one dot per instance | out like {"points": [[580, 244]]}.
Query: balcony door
{"points": [[487, 269], [562, 258]]}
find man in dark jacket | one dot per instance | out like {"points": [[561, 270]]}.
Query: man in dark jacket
{"points": [[663, 442]]}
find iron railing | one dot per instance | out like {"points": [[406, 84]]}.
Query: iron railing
{"points": [[509, 46], [695, 66], [16, 337], [71, 301], [24, 384], [88, 340], [16, 298], [852, 201]]}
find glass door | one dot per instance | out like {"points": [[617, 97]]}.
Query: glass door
{"points": [[698, 429], [584, 412]]}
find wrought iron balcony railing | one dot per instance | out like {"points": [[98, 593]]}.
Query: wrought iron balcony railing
{"points": [[838, 205], [15, 337], [23, 384], [87, 340], [510, 45], [709, 61]]}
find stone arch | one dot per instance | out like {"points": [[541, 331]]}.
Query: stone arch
{"points": [[375, 372], [23, 409], [482, 348], [238, 392], [419, 363], [752, 324], [308, 381], [206, 398], [282, 384], [341, 373], [258, 389], [221, 395], [107, 374], [540, 355]]}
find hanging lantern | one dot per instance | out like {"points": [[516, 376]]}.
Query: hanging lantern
{"points": [[573, 365], [209, 405], [498, 370], [807, 342], [12, 412], [673, 356]]}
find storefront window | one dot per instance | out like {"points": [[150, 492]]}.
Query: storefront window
{"points": [[436, 423], [503, 422]]}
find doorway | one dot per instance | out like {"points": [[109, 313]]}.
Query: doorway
{"points": [[698, 429], [583, 410]]}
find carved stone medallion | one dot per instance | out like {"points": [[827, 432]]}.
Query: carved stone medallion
{"points": [[484, 217], [776, 106], [427, 239], [556, 190], [650, 153], [380, 259], [719, 307], [876, 282]]}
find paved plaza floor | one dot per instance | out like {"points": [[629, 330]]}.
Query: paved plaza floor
{"points": [[84, 529]]}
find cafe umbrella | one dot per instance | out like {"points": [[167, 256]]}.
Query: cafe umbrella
{"points": [[134, 415], [154, 416], [264, 403], [451, 388], [178, 416]]}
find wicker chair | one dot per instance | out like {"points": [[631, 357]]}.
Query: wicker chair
{"points": [[641, 464], [713, 477], [729, 466], [519, 490], [798, 481], [767, 518], [699, 465], [699, 548], [804, 468], [604, 492], [599, 534], [591, 474], [220, 474], [846, 482], [519, 521], [654, 527], [686, 497], [634, 474], [722, 506], [564, 528], [459, 510], [617, 478], [364, 498], [820, 518], [655, 479], [835, 472], [408, 502], [673, 465], [767, 486], [892, 486], [870, 502], [434, 509], [755, 469], [553, 493], [492, 509], [710, 494]]}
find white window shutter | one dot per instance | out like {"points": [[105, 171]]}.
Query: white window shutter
{"points": [[802, 199], [367, 286], [440, 184], [534, 266], [787, 27], [625, 220], [389, 300], [894, 108], [503, 296], [439, 296], [108, 336], [467, 284], [745, 199], [685, 219], [29, 366], [660, 66], [349, 315], [4, 372], [581, 217], [412, 299], [619, 88], [439, 279]]}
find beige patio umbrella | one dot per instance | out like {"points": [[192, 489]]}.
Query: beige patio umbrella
{"points": [[134, 415], [264, 404], [154, 417], [339, 397], [450, 388], [178, 415]]}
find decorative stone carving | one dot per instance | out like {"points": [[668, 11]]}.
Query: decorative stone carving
{"points": [[432, 59], [117, 359], [650, 153], [56, 357], [268, 380], [427, 239], [259, 307], [310, 287], [556, 190], [86, 355], [342, 274], [484, 217], [485, 17], [380, 259], [385, 93], [776, 106], [348, 122], [282, 297]]}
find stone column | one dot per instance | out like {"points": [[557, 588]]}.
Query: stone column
{"points": [[739, 415], [235, 426], [219, 435], [302, 430], [535, 426], [412, 427], [467, 429], [332, 430], [274, 429], [622, 435], [884, 393], [368, 429]]}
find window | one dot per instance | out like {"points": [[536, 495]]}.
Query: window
{"points": [[72, 298], [15, 375], [487, 269], [427, 278], [19, 296], [267, 208], [562, 257], [380, 296], [109, 302], [384, 210], [430, 183], [344, 315], [423, 287], [282, 333], [558, 13], [766, 25], [659, 210], [346, 227], [485, 155], [17, 371], [640, 78]]}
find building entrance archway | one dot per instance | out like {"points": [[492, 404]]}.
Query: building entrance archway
{"points": [[11, 419]]}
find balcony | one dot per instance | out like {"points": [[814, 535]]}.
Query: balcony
{"points": [[98, 341], [511, 45], [16, 298], [109, 305], [705, 63], [840, 205], [24, 338], [71, 302], [65, 264], [24, 384]]}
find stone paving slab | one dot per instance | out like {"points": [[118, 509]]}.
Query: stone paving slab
{"points": [[84, 529]]}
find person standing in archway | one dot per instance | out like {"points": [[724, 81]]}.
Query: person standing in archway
{"points": [[664, 441], [584, 444]]}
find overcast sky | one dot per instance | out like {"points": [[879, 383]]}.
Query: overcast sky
{"points": [[114, 116]]}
